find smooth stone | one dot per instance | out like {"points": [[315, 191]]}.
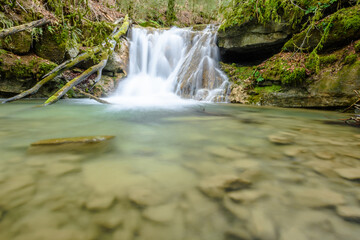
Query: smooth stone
{"points": [[325, 155], [349, 213], [109, 220], [145, 197], [224, 152], [261, 226], [130, 226], [325, 168], [59, 169], [292, 234], [349, 173], [313, 197], [245, 164], [282, 138], [17, 198], [293, 151], [216, 186], [160, 214], [246, 196], [357, 135], [72, 140], [99, 202], [352, 155]]}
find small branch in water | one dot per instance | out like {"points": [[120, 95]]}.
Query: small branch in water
{"points": [[91, 96]]}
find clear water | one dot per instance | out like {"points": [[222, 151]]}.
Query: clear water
{"points": [[154, 180]]}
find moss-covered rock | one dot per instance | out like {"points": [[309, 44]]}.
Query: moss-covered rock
{"points": [[344, 27], [51, 46], [19, 43], [20, 73]]}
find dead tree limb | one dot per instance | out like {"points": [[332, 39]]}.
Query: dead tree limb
{"points": [[23, 27], [71, 63]]}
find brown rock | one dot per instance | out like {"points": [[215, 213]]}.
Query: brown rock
{"points": [[313, 197], [349, 173], [99, 202], [282, 138], [325, 155], [261, 226], [160, 214], [246, 196], [349, 213]]}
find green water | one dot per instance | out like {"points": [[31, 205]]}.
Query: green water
{"points": [[192, 172]]}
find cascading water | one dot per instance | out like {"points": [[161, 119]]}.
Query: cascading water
{"points": [[167, 66]]}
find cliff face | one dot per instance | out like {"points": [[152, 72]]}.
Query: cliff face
{"points": [[317, 67]]}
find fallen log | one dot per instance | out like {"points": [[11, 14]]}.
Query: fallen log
{"points": [[23, 27], [71, 63]]}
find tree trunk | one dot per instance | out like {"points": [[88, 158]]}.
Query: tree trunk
{"points": [[16, 29]]}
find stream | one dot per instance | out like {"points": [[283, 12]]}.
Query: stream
{"points": [[190, 171]]}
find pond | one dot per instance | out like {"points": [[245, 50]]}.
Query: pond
{"points": [[194, 171]]}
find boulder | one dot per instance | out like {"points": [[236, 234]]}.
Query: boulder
{"points": [[19, 43], [51, 46], [119, 59], [252, 41]]}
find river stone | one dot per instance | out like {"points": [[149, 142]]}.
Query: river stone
{"points": [[160, 214], [294, 151], [72, 140], [59, 169], [216, 186], [313, 197], [261, 226], [246, 196], [99, 202], [349, 213], [146, 197], [238, 210], [324, 155], [224, 152], [325, 168], [349, 173], [109, 220], [282, 138]]}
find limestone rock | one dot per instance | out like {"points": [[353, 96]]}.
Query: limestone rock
{"points": [[349, 213], [313, 197], [119, 60], [282, 138], [253, 39], [217, 185], [160, 214], [100, 202], [349, 173]]}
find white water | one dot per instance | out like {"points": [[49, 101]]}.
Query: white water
{"points": [[168, 66]]}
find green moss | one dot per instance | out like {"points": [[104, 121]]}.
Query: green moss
{"points": [[350, 59], [268, 89], [329, 59], [357, 47], [295, 77]]}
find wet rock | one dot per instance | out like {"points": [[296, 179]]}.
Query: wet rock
{"points": [[18, 43], [109, 220], [349, 173], [317, 198], [224, 152], [216, 186], [325, 155], [59, 169], [72, 140], [349, 213], [294, 151], [261, 226], [293, 234], [325, 168], [237, 233], [16, 183], [160, 214], [352, 155], [282, 138], [50, 47], [99, 202], [130, 226], [118, 61], [246, 196], [245, 164]]}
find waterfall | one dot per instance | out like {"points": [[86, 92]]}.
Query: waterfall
{"points": [[170, 65]]}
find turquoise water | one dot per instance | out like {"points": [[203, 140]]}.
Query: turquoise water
{"points": [[194, 171]]}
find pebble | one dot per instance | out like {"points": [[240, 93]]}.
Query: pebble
{"points": [[59, 169], [160, 214], [99, 202], [293, 151], [246, 196], [349, 213], [349, 173], [325, 155], [324, 168], [217, 185], [282, 138], [109, 220], [145, 197], [261, 226], [313, 197]]}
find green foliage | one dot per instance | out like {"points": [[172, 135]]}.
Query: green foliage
{"points": [[313, 62], [295, 77], [350, 59], [357, 47], [329, 59], [268, 89], [5, 22]]}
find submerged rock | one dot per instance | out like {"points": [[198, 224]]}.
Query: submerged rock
{"points": [[72, 140], [282, 138], [99, 202], [349, 173], [349, 213], [262, 226], [313, 197], [216, 186], [160, 214]]}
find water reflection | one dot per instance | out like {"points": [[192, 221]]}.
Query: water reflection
{"points": [[215, 172]]}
